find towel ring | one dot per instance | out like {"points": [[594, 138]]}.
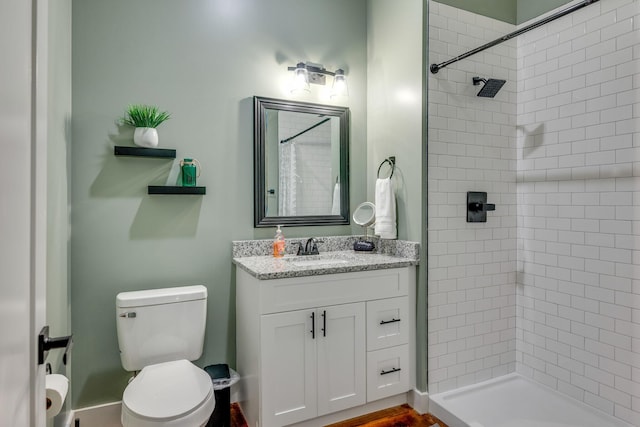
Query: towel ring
{"points": [[392, 163]]}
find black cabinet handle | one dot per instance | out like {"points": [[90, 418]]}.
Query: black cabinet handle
{"points": [[391, 371], [313, 325], [324, 323], [384, 322]]}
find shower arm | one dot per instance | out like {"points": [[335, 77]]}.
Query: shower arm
{"points": [[436, 67]]}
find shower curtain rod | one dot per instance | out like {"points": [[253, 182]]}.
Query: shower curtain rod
{"points": [[305, 131], [436, 67]]}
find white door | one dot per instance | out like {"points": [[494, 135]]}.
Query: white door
{"points": [[288, 388], [341, 357], [22, 211]]}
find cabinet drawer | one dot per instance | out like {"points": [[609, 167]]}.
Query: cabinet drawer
{"points": [[387, 323], [388, 372], [280, 295]]}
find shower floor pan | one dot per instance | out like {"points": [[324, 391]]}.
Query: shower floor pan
{"points": [[515, 401]]}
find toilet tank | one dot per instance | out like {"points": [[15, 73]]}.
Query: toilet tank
{"points": [[160, 325]]}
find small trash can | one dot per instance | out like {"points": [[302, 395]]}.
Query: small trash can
{"points": [[223, 378]]}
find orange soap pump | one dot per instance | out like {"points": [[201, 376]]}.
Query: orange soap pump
{"points": [[278, 244]]}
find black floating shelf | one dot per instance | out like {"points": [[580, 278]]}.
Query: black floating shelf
{"points": [[169, 189], [164, 153]]}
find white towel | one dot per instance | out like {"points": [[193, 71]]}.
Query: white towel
{"points": [[385, 202], [335, 207]]}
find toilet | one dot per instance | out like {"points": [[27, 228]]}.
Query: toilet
{"points": [[159, 332]]}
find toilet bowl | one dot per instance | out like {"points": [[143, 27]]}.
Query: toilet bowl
{"points": [[170, 394], [159, 332]]}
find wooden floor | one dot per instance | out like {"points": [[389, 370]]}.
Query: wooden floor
{"points": [[237, 419], [398, 416]]}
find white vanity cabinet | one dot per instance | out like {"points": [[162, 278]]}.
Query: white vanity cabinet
{"points": [[316, 345], [315, 359]]}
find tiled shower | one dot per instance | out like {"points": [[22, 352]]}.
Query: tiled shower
{"points": [[549, 286]]}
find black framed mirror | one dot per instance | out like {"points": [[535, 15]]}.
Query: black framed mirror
{"points": [[301, 167]]}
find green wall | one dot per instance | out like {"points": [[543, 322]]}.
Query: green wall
{"points": [[394, 125], [202, 60], [504, 10], [512, 11], [528, 9]]}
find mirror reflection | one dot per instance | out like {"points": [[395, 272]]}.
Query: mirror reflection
{"points": [[305, 152], [301, 163]]}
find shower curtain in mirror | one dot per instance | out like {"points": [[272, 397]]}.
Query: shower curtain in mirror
{"points": [[287, 177]]}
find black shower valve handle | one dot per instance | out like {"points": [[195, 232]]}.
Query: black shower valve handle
{"points": [[481, 207], [477, 206]]}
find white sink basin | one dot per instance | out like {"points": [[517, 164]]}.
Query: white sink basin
{"points": [[316, 262]]}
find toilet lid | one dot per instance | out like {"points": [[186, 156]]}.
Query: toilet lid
{"points": [[167, 390]]}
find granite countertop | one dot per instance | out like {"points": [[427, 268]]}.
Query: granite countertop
{"points": [[336, 256]]}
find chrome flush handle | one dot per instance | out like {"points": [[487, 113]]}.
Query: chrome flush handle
{"points": [[128, 314]]}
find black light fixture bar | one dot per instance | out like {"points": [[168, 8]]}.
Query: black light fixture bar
{"points": [[436, 67], [312, 69]]}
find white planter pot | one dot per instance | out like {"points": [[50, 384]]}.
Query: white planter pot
{"points": [[146, 137]]}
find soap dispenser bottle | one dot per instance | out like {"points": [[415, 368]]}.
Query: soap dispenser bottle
{"points": [[278, 244]]}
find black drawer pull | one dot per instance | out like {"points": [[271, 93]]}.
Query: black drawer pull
{"points": [[391, 371], [384, 322]]}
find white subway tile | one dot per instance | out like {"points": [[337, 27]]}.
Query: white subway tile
{"points": [[621, 27], [570, 218]]}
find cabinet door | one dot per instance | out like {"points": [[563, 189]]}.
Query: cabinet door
{"points": [[341, 357], [288, 368]]}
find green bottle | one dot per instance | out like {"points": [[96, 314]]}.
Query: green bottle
{"points": [[189, 172]]}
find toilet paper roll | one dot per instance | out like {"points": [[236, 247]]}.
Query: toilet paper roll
{"points": [[57, 387]]}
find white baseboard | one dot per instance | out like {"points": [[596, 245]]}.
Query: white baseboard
{"points": [[68, 420], [419, 401], [107, 415]]}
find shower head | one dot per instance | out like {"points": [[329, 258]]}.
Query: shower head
{"points": [[490, 88]]}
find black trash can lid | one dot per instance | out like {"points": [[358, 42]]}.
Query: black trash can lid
{"points": [[218, 371]]}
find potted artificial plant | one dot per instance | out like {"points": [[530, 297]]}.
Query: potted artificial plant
{"points": [[145, 118]]}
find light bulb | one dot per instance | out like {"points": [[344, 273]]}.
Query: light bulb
{"points": [[339, 89], [300, 81]]}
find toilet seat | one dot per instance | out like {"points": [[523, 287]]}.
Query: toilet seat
{"points": [[171, 393]]}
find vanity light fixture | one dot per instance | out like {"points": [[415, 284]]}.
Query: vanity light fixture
{"points": [[308, 73]]}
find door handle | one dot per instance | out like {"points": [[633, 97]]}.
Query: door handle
{"points": [[324, 323], [313, 325]]}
